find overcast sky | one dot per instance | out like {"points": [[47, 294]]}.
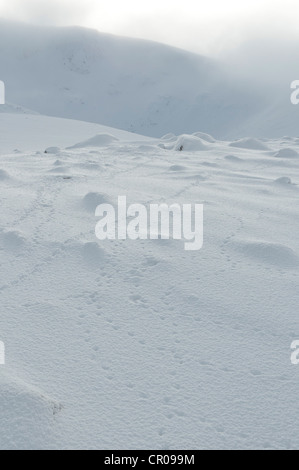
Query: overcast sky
{"points": [[209, 26]]}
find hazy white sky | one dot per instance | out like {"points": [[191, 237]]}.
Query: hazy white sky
{"points": [[205, 26]]}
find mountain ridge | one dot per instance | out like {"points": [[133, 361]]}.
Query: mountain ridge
{"points": [[136, 85]]}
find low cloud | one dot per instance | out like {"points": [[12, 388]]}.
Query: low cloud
{"points": [[45, 12], [234, 29]]}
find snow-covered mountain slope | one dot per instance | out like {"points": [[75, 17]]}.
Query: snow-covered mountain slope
{"points": [[139, 344], [22, 132], [134, 85], [279, 118]]}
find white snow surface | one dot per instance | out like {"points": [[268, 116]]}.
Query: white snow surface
{"points": [[140, 344]]}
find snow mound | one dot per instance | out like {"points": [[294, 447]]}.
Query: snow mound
{"points": [[169, 137], [13, 240], [92, 200], [271, 253], [53, 150], [59, 169], [20, 405], [287, 153], [4, 176], [284, 180], [249, 143], [206, 137], [93, 254], [189, 143], [90, 166], [99, 140], [177, 168], [233, 158]]}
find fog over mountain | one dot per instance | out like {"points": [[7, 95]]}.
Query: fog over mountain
{"points": [[131, 84]]}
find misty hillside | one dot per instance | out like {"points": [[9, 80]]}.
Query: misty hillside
{"points": [[279, 118], [136, 85]]}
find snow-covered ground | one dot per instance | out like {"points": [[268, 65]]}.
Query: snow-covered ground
{"points": [[140, 344]]}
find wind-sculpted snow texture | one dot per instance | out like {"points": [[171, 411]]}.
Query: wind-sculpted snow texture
{"points": [[140, 344]]}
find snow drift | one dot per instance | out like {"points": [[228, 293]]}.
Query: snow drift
{"points": [[139, 344]]}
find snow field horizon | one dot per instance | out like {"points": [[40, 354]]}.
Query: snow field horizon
{"points": [[160, 221]]}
